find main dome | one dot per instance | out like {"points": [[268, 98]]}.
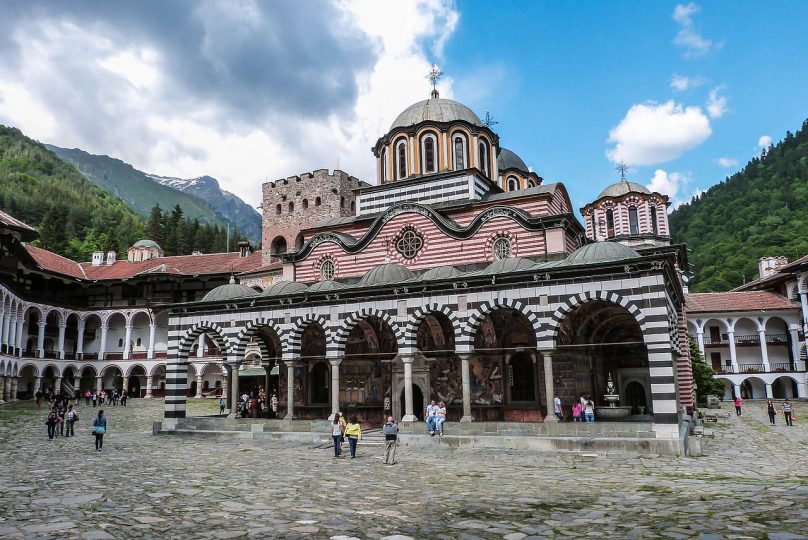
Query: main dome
{"points": [[623, 187], [146, 243], [436, 110]]}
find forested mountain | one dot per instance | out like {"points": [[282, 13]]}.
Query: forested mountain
{"points": [[141, 192], [241, 215], [759, 211], [75, 217]]}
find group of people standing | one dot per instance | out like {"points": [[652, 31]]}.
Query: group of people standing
{"points": [[254, 404], [342, 429], [583, 410], [112, 397], [62, 418]]}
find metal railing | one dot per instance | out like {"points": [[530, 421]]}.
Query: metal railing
{"points": [[747, 339], [758, 368]]}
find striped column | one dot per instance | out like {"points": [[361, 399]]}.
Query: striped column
{"points": [[176, 387]]}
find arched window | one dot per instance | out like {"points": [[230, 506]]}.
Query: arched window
{"points": [[327, 270], [342, 202], [305, 203], [459, 149], [429, 163], [610, 223], [531, 183], [483, 161], [501, 248], [353, 206], [278, 210], [401, 159], [385, 174], [317, 201], [120, 342], [633, 220], [139, 342], [319, 383], [654, 222], [291, 207], [513, 183]]}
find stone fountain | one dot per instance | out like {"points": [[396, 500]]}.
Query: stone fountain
{"points": [[613, 411]]}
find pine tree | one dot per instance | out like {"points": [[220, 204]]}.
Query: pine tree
{"points": [[703, 375], [52, 230], [154, 227]]}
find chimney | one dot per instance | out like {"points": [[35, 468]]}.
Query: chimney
{"points": [[768, 266], [98, 258], [244, 249], [111, 257]]}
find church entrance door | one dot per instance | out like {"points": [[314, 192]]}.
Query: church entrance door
{"points": [[418, 405]]}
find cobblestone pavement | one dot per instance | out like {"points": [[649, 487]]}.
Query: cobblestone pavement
{"points": [[753, 484]]}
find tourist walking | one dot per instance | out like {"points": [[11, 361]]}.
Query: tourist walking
{"points": [[87, 396], [577, 411], [99, 429], [390, 431], [51, 422], [738, 405], [95, 399], [589, 409], [337, 430], [431, 417], [440, 418], [221, 406], [788, 410], [354, 433], [771, 410], [123, 398], [273, 402], [70, 419], [557, 408]]}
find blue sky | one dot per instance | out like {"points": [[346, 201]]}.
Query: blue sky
{"points": [[568, 73], [250, 91]]}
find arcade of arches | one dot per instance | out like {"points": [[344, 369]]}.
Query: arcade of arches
{"points": [[507, 375]]}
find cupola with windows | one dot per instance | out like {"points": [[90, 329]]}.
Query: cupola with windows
{"points": [[514, 174], [432, 136], [629, 213]]}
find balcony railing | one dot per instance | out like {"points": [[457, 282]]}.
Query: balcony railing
{"points": [[747, 339], [758, 368]]}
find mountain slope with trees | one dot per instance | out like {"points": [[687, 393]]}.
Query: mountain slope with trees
{"points": [[760, 211], [75, 217]]}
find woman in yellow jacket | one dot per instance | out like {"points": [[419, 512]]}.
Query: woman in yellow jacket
{"points": [[354, 432]]}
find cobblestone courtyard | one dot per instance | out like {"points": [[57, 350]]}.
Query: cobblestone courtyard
{"points": [[753, 483]]}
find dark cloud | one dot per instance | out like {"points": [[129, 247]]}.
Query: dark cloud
{"points": [[251, 59]]}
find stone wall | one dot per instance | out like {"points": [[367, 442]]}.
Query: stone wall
{"points": [[336, 199]]}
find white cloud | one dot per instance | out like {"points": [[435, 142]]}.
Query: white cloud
{"points": [[668, 183], [716, 103], [237, 94], [657, 132], [688, 37], [727, 162], [681, 83], [764, 141]]}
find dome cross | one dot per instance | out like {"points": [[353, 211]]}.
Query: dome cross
{"points": [[433, 76], [622, 168]]}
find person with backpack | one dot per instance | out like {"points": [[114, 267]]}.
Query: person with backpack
{"points": [[71, 418], [51, 422], [788, 410], [390, 431], [99, 429]]}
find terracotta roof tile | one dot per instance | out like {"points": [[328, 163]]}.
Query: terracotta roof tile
{"points": [[184, 265], [52, 262], [737, 301]]}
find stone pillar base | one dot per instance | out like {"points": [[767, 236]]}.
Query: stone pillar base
{"points": [[467, 419], [409, 418], [551, 419]]}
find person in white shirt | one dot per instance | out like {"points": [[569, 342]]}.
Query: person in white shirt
{"points": [[431, 417], [557, 408]]}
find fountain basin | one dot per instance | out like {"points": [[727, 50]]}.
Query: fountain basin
{"points": [[613, 413]]}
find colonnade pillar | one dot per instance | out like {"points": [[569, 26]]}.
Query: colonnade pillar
{"points": [[127, 342], [198, 387], [764, 353], [335, 363], [125, 385], [102, 351], [149, 381], [549, 387], [40, 339], [99, 384], [60, 344], [769, 393], [57, 386], [290, 390], [795, 345], [152, 333], [200, 349], [465, 375], [19, 335], [14, 382], [7, 389], [804, 305], [233, 389], [37, 384], [408, 413], [80, 339], [700, 340], [4, 327], [732, 356]]}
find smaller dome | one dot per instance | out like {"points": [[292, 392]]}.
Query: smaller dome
{"points": [[228, 292], [621, 188], [600, 252], [511, 264], [441, 272], [147, 244], [284, 287], [509, 160], [325, 286], [385, 274]]}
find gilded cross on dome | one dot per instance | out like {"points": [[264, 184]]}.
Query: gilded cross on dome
{"points": [[489, 121], [434, 76], [622, 168]]}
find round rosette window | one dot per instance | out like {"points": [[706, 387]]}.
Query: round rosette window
{"points": [[409, 243]]}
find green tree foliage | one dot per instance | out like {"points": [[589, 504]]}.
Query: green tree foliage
{"points": [[703, 375], [759, 211], [75, 217]]}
